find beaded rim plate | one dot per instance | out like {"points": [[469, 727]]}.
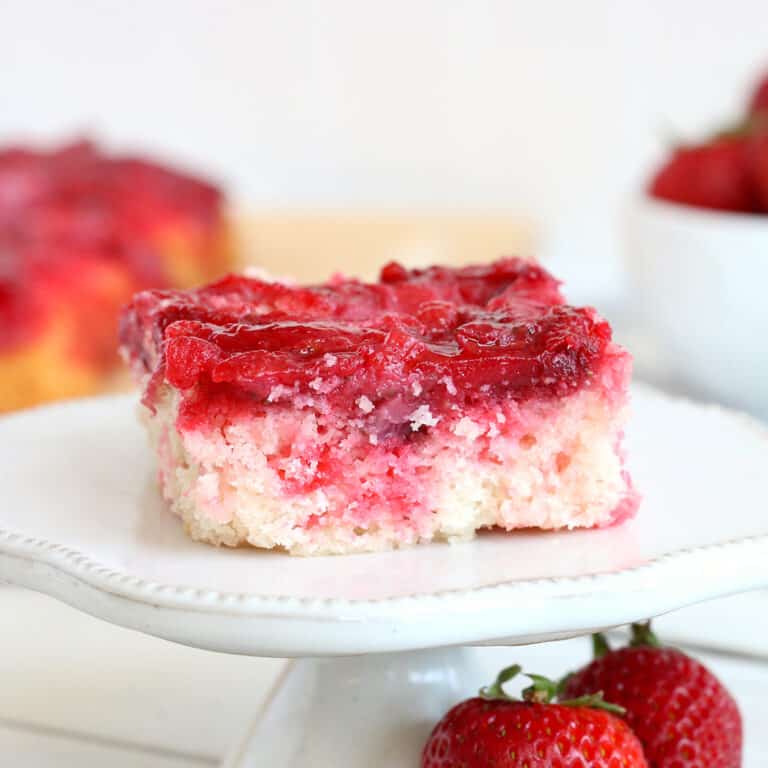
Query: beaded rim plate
{"points": [[81, 519]]}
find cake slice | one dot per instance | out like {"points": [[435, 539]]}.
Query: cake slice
{"points": [[81, 231], [350, 417]]}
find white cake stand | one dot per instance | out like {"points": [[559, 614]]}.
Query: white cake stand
{"points": [[80, 519]]}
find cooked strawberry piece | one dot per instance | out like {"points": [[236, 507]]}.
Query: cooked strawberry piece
{"points": [[438, 336]]}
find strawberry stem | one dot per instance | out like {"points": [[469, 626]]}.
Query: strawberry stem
{"points": [[562, 683], [600, 645], [745, 127], [496, 689], [542, 691], [642, 635], [594, 701]]}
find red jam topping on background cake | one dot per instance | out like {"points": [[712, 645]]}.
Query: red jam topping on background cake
{"points": [[80, 232], [352, 417]]}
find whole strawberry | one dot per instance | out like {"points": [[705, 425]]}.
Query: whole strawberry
{"points": [[712, 175], [496, 731], [680, 711]]}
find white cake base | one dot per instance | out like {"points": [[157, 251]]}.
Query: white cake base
{"points": [[548, 465]]}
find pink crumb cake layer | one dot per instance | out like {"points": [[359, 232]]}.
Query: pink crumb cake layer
{"points": [[353, 417]]}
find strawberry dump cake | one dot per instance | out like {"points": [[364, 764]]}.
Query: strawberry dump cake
{"points": [[351, 417], [80, 232]]}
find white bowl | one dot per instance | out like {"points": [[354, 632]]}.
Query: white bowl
{"points": [[699, 292]]}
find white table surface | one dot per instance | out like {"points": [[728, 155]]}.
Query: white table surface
{"points": [[79, 692]]}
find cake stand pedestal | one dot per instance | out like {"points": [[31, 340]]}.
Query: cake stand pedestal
{"points": [[380, 636], [373, 710]]}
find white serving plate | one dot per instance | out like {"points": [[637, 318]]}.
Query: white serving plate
{"points": [[80, 519]]}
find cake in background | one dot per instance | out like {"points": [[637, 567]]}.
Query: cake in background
{"points": [[81, 231]]}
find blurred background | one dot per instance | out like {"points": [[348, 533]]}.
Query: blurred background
{"points": [[344, 133], [422, 131], [549, 110]]}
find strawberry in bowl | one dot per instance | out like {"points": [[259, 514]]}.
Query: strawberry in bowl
{"points": [[697, 258], [727, 171]]}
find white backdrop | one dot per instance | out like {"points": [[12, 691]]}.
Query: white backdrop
{"points": [[555, 108]]}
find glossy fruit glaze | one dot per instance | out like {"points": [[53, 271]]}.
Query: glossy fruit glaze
{"points": [[62, 211], [441, 338]]}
